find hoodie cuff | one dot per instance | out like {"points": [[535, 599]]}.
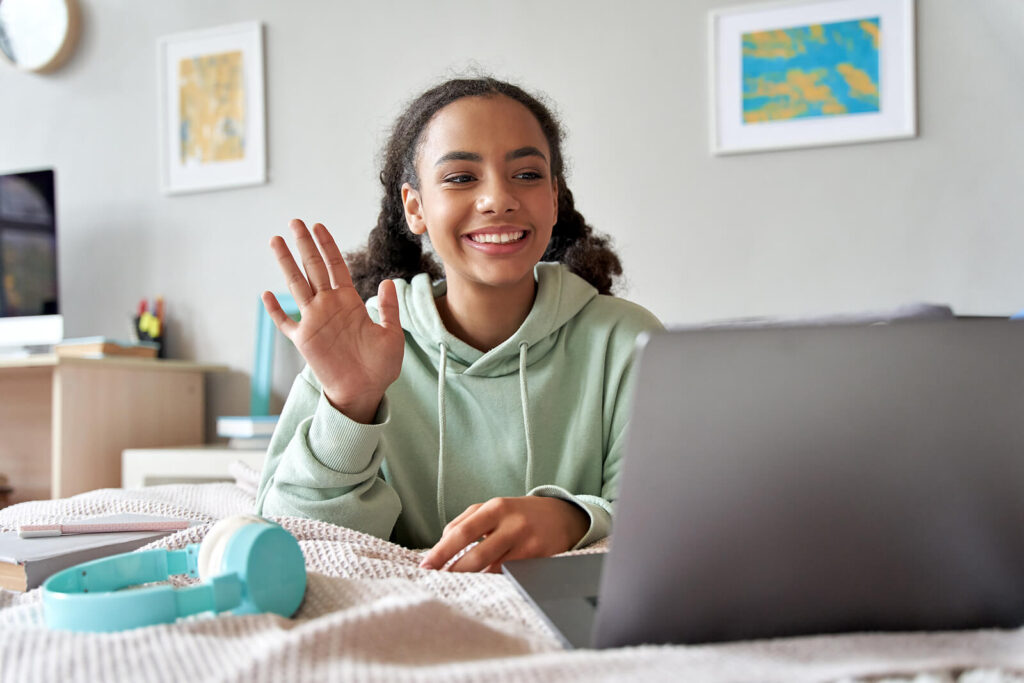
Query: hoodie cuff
{"points": [[598, 509], [341, 443]]}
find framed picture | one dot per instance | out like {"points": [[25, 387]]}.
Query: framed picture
{"points": [[801, 74], [212, 129]]}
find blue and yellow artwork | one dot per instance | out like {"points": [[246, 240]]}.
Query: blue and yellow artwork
{"points": [[808, 71]]}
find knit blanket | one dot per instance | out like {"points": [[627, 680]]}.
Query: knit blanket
{"points": [[370, 614]]}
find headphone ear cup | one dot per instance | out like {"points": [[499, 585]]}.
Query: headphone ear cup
{"points": [[211, 552]]}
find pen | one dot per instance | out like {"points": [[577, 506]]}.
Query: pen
{"points": [[46, 530]]}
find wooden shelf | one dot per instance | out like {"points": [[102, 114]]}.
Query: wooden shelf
{"points": [[65, 421], [154, 364]]}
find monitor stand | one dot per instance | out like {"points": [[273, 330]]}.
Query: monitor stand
{"points": [[15, 352]]}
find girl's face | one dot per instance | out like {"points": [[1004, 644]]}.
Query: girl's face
{"points": [[487, 198]]}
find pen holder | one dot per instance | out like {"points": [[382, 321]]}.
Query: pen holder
{"points": [[149, 328]]}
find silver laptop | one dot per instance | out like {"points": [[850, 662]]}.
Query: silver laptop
{"points": [[795, 481]]}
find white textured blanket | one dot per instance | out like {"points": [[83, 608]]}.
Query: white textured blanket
{"points": [[370, 614]]}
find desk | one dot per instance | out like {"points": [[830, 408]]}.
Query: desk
{"points": [[64, 421]]}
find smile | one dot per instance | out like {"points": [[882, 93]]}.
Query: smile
{"points": [[497, 238]]}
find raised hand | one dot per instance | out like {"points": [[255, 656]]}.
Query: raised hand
{"points": [[510, 529], [354, 358]]}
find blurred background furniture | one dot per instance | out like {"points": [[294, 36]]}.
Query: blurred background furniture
{"points": [[184, 464], [263, 363], [210, 462], [64, 421]]}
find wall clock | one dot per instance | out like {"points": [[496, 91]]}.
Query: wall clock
{"points": [[38, 35]]}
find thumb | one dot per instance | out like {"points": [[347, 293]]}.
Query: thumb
{"points": [[387, 303], [281, 320]]}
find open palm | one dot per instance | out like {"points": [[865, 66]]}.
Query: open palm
{"points": [[354, 358]]}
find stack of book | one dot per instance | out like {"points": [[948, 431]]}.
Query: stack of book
{"points": [[101, 347], [26, 562], [250, 432]]}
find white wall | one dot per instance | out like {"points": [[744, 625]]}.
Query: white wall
{"points": [[936, 218]]}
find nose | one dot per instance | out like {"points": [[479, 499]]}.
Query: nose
{"points": [[496, 197]]}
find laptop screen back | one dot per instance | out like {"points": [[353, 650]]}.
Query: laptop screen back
{"points": [[782, 482]]}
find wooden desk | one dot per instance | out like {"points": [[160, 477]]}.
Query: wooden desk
{"points": [[64, 421]]}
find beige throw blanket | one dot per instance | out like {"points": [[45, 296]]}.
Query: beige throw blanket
{"points": [[371, 615]]}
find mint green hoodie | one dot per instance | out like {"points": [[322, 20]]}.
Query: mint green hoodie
{"points": [[544, 413]]}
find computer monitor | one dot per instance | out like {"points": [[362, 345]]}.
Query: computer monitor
{"points": [[30, 315]]}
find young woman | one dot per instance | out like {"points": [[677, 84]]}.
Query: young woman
{"points": [[489, 405]]}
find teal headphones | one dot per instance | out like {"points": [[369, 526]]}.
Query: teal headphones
{"points": [[248, 565]]}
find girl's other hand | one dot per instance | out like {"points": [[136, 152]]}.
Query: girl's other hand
{"points": [[510, 529], [354, 358]]}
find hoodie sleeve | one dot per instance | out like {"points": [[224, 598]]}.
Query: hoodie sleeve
{"points": [[621, 364], [322, 465], [598, 509]]}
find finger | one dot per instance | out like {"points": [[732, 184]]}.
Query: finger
{"points": [[465, 513], [387, 304], [477, 525], [514, 552], [495, 567], [282, 320], [336, 266], [484, 554], [312, 261], [296, 281]]}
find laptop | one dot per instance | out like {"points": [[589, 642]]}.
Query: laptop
{"points": [[797, 481]]}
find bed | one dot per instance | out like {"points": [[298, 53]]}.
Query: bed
{"points": [[371, 614]]}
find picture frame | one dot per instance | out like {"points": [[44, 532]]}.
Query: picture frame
{"points": [[212, 109], [807, 73]]}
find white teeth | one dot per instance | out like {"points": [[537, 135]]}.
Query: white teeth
{"points": [[495, 238]]}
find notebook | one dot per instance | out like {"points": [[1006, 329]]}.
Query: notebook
{"points": [[26, 562], [797, 481]]}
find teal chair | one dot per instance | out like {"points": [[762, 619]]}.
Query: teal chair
{"points": [[263, 368]]}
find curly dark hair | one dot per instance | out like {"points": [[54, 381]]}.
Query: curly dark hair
{"points": [[394, 251]]}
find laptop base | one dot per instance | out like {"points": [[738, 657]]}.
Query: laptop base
{"points": [[564, 591]]}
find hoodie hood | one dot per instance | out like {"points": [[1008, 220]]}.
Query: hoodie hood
{"points": [[561, 294]]}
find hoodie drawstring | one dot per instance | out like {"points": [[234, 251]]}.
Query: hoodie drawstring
{"points": [[524, 397], [441, 372]]}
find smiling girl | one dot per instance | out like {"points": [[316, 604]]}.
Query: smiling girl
{"points": [[482, 400]]}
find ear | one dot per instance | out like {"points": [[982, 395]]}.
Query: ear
{"points": [[413, 205]]}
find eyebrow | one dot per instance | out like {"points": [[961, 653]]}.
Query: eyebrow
{"points": [[528, 151], [458, 156]]}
